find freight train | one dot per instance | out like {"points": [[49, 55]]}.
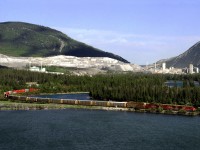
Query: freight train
{"points": [[129, 104], [135, 105]]}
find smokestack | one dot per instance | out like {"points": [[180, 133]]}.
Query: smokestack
{"points": [[163, 66]]}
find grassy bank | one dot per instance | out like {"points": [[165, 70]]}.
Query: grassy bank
{"points": [[13, 105]]}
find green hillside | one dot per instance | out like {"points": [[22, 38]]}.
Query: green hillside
{"points": [[24, 39]]}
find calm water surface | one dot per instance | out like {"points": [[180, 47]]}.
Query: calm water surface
{"points": [[74, 129], [81, 96]]}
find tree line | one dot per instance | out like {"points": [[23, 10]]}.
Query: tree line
{"points": [[117, 87]]}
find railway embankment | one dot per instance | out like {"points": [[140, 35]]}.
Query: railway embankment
{"points": [[17, 102]]}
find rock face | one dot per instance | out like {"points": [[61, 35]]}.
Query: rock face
{"points": [[83, 65], [191, 56], [28, 40]]}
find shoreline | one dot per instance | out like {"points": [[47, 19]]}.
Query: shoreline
{"points": [[16, 105]]}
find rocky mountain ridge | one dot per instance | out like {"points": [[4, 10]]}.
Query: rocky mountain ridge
{"points": [[191, 56]]}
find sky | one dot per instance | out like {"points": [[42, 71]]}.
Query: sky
{"points": [[141, 31]]}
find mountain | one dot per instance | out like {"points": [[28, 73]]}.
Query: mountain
{"points": [[30, 40], [191, 56]]}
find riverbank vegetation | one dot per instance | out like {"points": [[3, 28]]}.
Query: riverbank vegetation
{"points": [[118, 87]]}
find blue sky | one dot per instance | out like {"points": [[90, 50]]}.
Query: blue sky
{"points": [[141, 31]]}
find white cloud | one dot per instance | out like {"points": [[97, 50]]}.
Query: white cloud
{"points": [[135, 48]]}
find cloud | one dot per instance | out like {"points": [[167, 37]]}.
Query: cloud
{"points": [[136, 48]]}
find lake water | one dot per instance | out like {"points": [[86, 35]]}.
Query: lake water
{"points": [[173, 83], [76, 129], [80, 96]]}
